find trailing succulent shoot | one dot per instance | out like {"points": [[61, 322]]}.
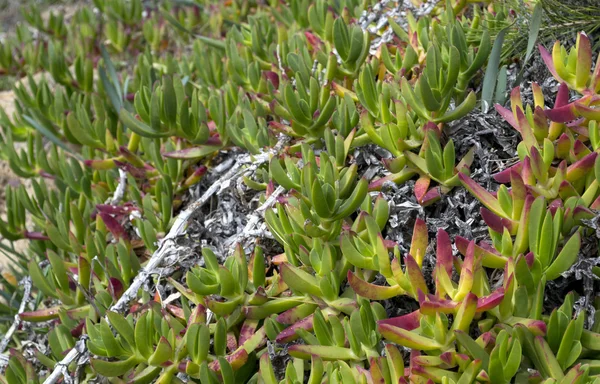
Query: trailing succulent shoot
{"points": [[313, 111], [320, 197]]}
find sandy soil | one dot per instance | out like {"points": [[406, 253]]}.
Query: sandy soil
{"points": [[10, 13], [9, 17], [8, 177]]}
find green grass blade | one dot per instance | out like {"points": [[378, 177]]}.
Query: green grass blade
{"points": [[534, 30], [211, 42], [491, 72], [51, 136]]}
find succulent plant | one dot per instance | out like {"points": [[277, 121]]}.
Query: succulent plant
{"points": [[144, 114], [320, 194], [573, 67]]}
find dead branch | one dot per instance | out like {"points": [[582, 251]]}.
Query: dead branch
{"points": [[26, 283], [164, 250]]}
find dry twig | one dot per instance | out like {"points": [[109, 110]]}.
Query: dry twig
{"points": [[26, 283], [120, 191], [163, 250]]}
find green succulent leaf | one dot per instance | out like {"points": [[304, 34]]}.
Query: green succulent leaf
{"points": [[113, 369]]}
